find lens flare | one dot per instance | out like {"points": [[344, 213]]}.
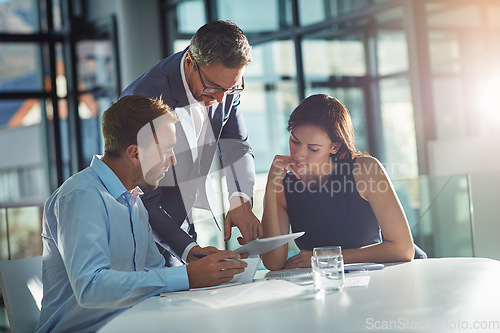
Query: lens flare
{"points": [[491, 94]]}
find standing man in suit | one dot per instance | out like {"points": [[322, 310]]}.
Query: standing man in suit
{"points": [[202, 83]]}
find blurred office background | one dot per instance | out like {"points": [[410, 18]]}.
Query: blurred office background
{"points": [[421, 79]]}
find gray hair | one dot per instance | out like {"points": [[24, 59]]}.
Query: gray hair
{"points": [[221, 41]]}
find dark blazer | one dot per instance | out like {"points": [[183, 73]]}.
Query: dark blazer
{"points": [[185, 184]]}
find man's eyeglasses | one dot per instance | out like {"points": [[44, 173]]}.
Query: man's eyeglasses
{"points": [[218, 90]]}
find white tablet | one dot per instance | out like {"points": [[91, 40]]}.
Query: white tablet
{"points": [[264, 245]]}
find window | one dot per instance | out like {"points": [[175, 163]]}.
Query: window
{"points": [[19, 17], [464, 44], [49, 110], [24, 89], [250, 16], [270, 85]]}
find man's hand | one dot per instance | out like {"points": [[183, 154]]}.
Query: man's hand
{"points": [[200, 250], [303, 259], [240, 215], [214, 269]]}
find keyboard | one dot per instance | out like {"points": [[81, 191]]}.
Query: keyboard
{"points": [[299, 273], [290, 273]]}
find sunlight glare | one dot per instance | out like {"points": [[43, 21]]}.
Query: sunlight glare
{"points": [[491, 95]]}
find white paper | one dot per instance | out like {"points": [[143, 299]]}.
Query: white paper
{"points": [[356, 281], [260, 291], [264, 245], [248, 274]]}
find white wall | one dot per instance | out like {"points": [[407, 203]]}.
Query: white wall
{"points": [[139, 40]]}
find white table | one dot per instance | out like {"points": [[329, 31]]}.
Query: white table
{"points": [[429, 295]]}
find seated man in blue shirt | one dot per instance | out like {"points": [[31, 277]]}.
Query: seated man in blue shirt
{"points": [[99, 256]]}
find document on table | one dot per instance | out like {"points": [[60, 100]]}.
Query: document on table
{"points": [[245, 277], [260, 291], [264, 245]]}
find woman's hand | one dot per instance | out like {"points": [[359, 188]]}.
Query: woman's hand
{"points": [[275, 217], [280, 166], [301, 260]]}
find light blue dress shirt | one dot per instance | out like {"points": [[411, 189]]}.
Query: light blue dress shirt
{"points": [[99, 257]]}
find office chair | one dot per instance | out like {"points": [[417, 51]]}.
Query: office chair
{"points": [[21, 284], [419, 253]]}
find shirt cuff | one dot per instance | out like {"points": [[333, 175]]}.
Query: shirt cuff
{"points": [[241, 194], [177, 278], [186, 251]]}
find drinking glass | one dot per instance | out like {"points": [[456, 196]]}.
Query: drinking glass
{"points": [[328, 268]]}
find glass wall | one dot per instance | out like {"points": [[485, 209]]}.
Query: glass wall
{"points": [[97, 87], [20, 232], [272, 85], [54, 86], [25, 88], [251, 18], [20, 67], [181, 22], [336, 66], [464, 43], [19, 16], [317, 11], [398, 128], [21, 70], [439, 211]]}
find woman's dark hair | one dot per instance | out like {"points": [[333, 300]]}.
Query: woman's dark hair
{"points": [[329, 114]]}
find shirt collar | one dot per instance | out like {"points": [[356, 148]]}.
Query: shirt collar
{"points": [[108, 177], [189, 94], [136, 191]]}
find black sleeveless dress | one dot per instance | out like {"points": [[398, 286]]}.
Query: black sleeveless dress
{"points": [[331, 214]]}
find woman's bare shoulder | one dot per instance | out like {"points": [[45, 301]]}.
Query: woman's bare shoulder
{"points": [[367, 165]]}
